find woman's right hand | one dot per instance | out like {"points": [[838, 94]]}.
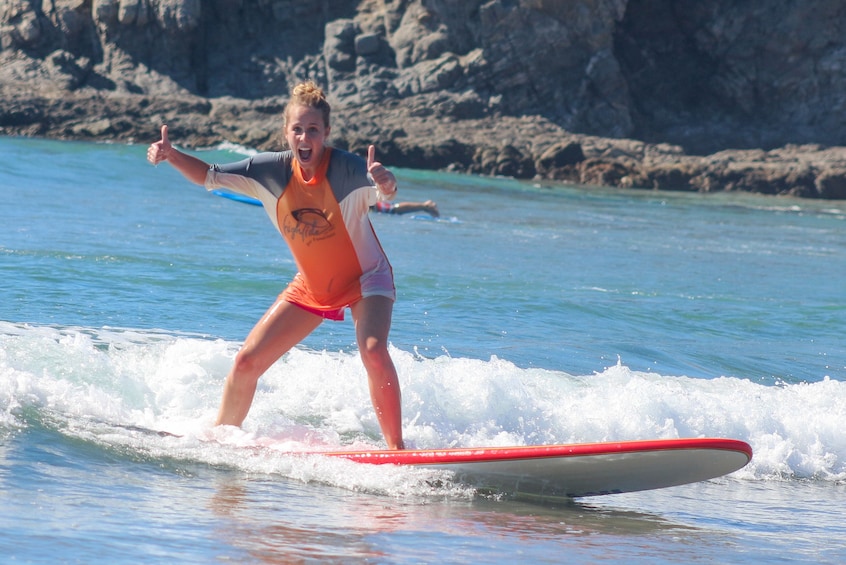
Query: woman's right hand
{"points": [[160, 150]]}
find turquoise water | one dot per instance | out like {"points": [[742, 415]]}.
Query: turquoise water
{"points": [[528, 314]]}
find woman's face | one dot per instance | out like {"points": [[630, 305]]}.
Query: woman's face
{"points": [[306, 135]]}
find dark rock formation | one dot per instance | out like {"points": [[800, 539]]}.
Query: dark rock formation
{"points": [[699, 96]]}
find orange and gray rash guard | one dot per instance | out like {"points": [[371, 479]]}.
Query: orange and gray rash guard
{"points": [[324, 221]]}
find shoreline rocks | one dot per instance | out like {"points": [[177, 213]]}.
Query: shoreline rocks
{"points": [[621, 93]]}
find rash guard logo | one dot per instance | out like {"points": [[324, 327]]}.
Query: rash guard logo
{"points": [[307, 225]]}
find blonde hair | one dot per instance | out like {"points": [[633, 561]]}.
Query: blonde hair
{"points": [[312, 96]]}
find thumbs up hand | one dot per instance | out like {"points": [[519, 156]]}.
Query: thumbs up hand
{"points": [[160, 150], [384, 179]]}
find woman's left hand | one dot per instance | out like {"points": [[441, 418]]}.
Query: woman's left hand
{"points": [[384, 179]]}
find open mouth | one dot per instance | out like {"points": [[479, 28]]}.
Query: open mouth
{"points": [[304, 154]]}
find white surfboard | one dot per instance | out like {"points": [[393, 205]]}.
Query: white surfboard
{"points": [[565, 470], [575, 470]]}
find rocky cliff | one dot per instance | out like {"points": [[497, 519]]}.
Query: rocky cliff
{"points": [[670, 94]]}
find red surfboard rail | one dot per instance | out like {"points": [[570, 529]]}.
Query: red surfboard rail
{"points": [[550, 472], [480, 454]]}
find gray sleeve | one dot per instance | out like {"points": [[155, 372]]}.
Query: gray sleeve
{"points": [[270, 170], [347, 172]]}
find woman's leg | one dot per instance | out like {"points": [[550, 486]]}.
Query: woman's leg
{"points": [[372, 318], [282, 327]]}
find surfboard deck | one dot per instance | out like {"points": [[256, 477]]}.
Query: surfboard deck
{"points": [[555, 472], [575, 470]]}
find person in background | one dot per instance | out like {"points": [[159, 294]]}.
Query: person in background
{"points": [[318, 197], [407, 207]]}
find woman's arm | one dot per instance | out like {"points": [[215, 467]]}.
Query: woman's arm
{"points": [[191, 168]]}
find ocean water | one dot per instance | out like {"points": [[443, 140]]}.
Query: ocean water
{"points": [[528, 314]]}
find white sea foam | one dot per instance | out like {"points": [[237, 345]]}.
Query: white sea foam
{"points": [[235, 148], [85, 379]]}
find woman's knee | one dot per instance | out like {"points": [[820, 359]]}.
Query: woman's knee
{"points": [[374, 354], [247, 366]]}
